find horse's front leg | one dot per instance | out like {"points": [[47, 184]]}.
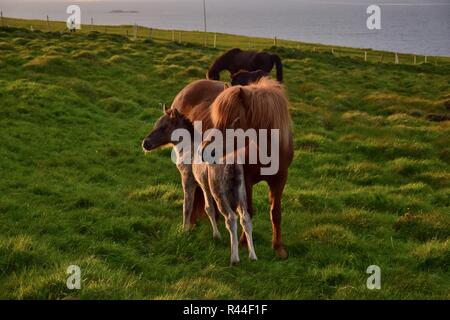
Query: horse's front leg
{"points": [[276, 192], [189, 186], [188, 205]]}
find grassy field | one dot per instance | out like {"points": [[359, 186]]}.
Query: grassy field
{"points": [[370, 183], [224, 41]]}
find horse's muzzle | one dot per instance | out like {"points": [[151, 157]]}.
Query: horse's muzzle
{"points": [[147, 146]]}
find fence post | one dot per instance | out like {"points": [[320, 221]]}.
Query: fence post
{"points": [[150, 34], [179, 37], [426, 59], [365, 56], [275, 41], [215, 40], [173, 35], [332, 51], [127, 34], [92, 24], [381, 59], [135, 28], [415, 60], [396, 58], [48, 23], [1, 15]]}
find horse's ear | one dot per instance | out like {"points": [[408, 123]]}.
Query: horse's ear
{"points": [[242, 94], [165, 108], [175, 114]]}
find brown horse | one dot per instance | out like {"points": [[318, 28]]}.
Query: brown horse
{"points": [[244, 78], [222, 184], [236, 60], [265, 106]]}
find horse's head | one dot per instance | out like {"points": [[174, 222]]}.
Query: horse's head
{"points": [[161, 134], [213, 75]]}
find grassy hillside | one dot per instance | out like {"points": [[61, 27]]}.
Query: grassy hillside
{"points": [[224, 41], [370, 183]]}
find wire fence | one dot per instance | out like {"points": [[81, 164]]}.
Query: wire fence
{"points": [[223, 41]]}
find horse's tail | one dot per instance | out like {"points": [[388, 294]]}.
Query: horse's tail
{"points": [[262, 105], [277, 61]]}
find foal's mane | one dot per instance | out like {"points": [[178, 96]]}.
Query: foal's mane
{"points": [[261, 105]]}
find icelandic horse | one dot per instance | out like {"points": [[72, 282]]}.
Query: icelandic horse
{"points": [[261, 105], [236, 60], [222, 184]]}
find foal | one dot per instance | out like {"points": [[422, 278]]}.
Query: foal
{"points": [[222, 183], [244, 78]]}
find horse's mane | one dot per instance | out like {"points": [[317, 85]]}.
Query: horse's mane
{"points": [[261, 105], [195, 99]]}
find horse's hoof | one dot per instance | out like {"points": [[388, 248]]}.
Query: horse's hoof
{"points": [[217, 237], [253, 258], [187, 228], [234, 263], [281, 253]]}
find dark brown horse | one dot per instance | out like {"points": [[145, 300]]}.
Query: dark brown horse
{"points": [[206, 100], [236, 60], [244, 78]]}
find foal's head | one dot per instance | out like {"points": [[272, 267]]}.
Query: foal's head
{"points": [[161, 134], [213, 74]]}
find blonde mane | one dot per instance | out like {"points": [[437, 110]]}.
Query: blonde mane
{"points": [[261, 105]]}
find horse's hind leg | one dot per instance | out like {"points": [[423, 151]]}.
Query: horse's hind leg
{"points": [[211, 211], [249, 196], [246, 223], [246, 220], [276, 192], [231, 224]]}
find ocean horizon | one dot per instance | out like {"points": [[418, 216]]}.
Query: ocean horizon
{"points": [[420, 27]]}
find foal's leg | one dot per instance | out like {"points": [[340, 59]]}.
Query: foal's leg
{"points": [[249, 195], [246, 223], [188, 207], [211, 211], [246, 220], [276, 192], [189, 186], [231, 224]]}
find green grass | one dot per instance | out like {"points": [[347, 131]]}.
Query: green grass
{"points": [[222, 40], [370, 182]]}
